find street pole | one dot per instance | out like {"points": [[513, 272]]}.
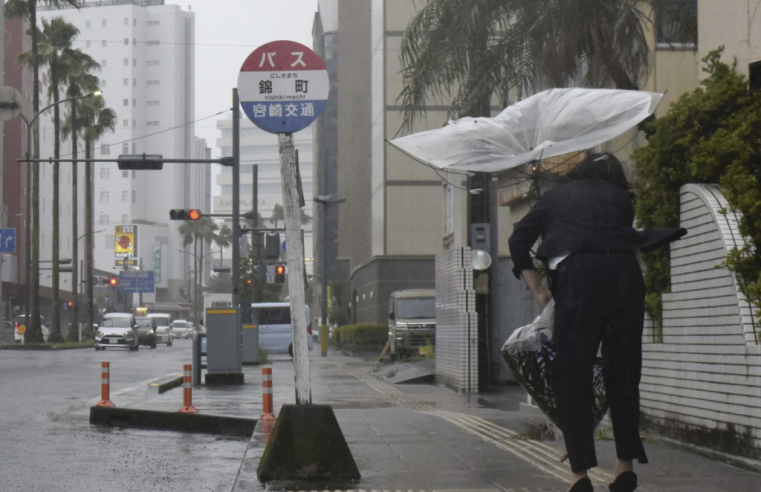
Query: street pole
{"points": [[255, 237], [140, 294], [324, 281], [295, 258], [236, 214]]}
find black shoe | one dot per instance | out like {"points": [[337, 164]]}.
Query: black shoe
{"points": [[626, 482], [583, 485]]}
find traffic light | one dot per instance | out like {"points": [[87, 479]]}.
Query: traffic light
{"points": [[272, 245], [140, 162], [113, 281], [191, 214], [279, 274]]}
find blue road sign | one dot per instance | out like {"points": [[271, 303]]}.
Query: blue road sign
{"points": [[137, 282], [7, 240], [284, 247]]}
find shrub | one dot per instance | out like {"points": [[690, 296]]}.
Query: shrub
{"points": [[363, 335]]}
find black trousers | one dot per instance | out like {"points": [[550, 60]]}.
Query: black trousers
{"points": [[599, 298]]}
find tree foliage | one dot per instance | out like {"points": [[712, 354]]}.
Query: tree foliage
{"points": [[468, 51], [710, 135]]}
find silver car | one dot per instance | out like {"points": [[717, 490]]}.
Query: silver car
{"points": [[117, 330], [182, 329], [163, 328]]}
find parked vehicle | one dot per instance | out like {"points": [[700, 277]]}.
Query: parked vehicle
{"points": [[163, 328], [21, 320], [411, 321], [117, 330], [274, 322], [146, 331], [182, 329]]}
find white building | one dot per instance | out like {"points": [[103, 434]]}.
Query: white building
{"points": [[261, 148], [146, 50]]}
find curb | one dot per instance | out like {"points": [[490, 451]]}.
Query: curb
{"points": [[169, 384], [172, 421], [42, 347]]}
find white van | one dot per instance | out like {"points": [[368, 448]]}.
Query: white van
{"points": [[274, 322], [163, 328]]}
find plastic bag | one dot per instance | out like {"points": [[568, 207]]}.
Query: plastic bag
{"points": [[529, 337]]}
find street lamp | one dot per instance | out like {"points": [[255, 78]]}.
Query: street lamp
{"points": [[29, 125], [82, 263], [326, 201]]}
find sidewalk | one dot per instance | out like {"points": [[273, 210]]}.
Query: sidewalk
{"points": [[427, 437]]}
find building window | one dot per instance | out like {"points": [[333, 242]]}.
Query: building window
{"points": [[126, 62], [134, 123], [153, 82], [104, 43], [125, 102], [153, 103], [125, 196], [126, 21], [104, 196], [134, 82], [134, 22], [125, 123], [134, 62], [87, 24], [134, 196], [103, 63], [126, 41], [125, 148], [134, 103], [668, 33], [125, 219], [87, 44], [125, 174], [153, 63], [134, 42], [154, 23], [104, 220], [153, 123], [125, 82], [104, 170], [154, 43], [104, 149]]}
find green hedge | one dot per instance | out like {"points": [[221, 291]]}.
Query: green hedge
{"points": [[360, 335]]}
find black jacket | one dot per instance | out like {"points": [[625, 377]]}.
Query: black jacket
{"points": [[582, 215]]}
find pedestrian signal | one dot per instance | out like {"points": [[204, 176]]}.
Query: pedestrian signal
{"points": [[280, 274]]}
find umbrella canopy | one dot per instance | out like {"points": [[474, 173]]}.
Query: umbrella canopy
{"points": [[548, 124]]}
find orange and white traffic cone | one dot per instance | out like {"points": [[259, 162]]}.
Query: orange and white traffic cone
{"points": [[268, 413], [105, 385], [187, 391]]}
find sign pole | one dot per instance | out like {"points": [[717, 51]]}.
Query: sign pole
{"points": [[295, 256], [236, 211]]}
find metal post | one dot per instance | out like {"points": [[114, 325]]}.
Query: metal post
{"points": [[325, 279], [255, 237], [140, 294], [236, 213], [196, 358]]}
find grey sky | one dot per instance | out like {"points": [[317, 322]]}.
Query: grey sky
{"points": [[227, 31]]}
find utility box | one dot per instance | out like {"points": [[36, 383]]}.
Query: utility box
{"points": [[223, 347], [250, 348]]}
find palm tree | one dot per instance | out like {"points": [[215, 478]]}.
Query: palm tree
{"points": [[81, 82], [55, 49], [193, 231], [96, 120], [278, 214], [468, 51], [28, 10]]}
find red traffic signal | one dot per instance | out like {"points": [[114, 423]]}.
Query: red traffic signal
{"points": [[280, 274], [113, 281], [192, 214]]}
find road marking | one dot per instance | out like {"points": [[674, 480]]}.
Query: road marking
{"points": [[533, 452]]}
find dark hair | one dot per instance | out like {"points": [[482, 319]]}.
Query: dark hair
{"points": [[601, 166]]}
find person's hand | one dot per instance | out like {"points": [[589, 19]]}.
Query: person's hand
{"points": [[542, 296]]}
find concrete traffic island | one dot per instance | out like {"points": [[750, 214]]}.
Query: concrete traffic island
{"points": [[307, 443], [172, 421]]}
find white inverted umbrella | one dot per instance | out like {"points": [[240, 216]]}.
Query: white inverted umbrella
{"points": [[548, 124]]}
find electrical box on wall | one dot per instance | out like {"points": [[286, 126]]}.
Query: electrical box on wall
{"points": [[480, 237]]}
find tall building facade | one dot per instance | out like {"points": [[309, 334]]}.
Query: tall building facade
{"points": [[389, 228], [146, 51], [261, 148]]}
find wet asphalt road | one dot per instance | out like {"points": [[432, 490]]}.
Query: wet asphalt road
{"points": [[47, 443]]}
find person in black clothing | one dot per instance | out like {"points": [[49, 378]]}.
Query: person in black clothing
{"points": [[589, 245]]}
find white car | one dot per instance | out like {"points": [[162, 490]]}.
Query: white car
{"points": [[182, 329], [163, 328], [117, 330], [21, 320], [274, 322]]}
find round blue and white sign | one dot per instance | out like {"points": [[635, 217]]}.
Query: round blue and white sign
{"points": [[283, 87]]}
